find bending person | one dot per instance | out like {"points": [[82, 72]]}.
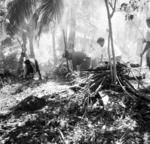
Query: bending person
{"points": [[147, 46]]}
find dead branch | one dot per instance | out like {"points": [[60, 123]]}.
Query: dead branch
{"points": [[62, 136]]}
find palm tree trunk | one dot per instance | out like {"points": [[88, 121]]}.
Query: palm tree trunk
{"points": [[24, 39], [23, 52], [32, 54], [111, 40]]}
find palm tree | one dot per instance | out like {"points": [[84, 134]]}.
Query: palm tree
{"points": [[27, 16], [49, 11]]}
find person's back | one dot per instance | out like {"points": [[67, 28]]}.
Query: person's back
{"points": [[31, 67], [78, 59]]}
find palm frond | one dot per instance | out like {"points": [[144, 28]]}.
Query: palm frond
{"points": [[49, 11], [11, 29], [34, 19], [18, 11]]}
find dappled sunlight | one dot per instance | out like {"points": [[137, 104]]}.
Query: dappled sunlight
{"points": [[75, 72]]}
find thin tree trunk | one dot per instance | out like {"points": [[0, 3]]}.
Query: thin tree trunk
{"points": [[65, 43], [54, 47], [71, 38], [111, 38], [109, 56]]}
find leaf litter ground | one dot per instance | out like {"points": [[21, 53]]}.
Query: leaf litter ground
{"points": [[47, 112]]}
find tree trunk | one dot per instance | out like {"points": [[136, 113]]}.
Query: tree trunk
{"points": [[54, 47], [24, 39], [65, 44], [23, 51], [32, 54], [109, 57], [111, 40], [2, 68], [71, 38]]}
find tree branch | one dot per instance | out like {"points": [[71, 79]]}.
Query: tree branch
{"points": [[110, 4], [113, 8]]}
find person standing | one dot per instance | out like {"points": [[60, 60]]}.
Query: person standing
{"points": [[147, 45], [100, 54]]}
